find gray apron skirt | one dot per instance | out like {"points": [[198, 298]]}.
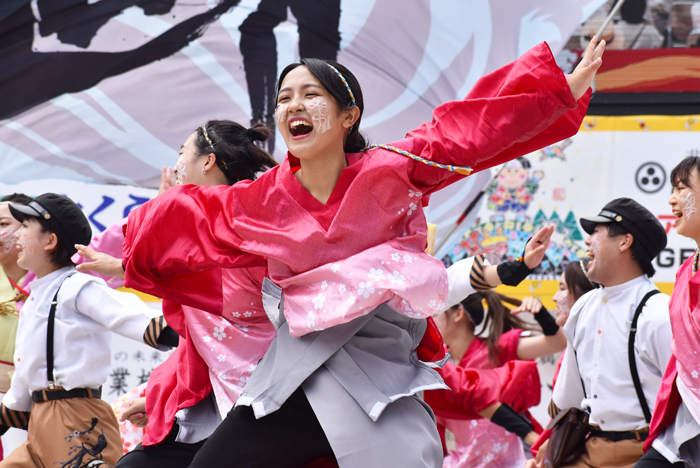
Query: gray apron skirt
{"points": [[361, 379]]}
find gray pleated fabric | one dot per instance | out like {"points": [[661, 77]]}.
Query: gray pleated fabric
{"points": [[682, 437], [352, 374]]}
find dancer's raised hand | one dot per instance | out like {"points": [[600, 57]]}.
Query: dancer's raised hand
{"points": [[536, 247], [582, 77], [167, 179], [101, 262]]}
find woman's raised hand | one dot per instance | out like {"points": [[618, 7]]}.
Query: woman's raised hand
{"points": [[529, 304], [167, 179], [535, 249], [101, 262], [582, 77]]}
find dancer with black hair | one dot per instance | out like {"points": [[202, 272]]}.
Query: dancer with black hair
{"points": [[342, 227], [674, 439], [573, 283], [224, 337], [478, 441], [625, 313], [62, 354]]}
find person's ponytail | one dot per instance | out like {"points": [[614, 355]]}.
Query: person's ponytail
{"points": [[233, 145]]}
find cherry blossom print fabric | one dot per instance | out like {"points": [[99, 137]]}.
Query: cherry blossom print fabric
{"points": [[414, 284]]}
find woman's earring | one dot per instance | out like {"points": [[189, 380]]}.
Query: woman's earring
{"points": [[204, 172]]}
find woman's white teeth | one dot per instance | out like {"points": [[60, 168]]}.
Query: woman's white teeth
{"points": [[300, 127]]}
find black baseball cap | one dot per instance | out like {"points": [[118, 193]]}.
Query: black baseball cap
{"points": [[64, 216], [637, 220]]}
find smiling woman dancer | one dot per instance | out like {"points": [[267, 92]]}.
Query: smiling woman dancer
{"points": [[674, 433], [188, 395], [343, 231]]}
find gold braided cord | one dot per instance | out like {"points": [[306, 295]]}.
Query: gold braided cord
{"points": [[464, 170]]}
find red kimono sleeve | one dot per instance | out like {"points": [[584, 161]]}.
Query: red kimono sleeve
{"points": [[181, 381], [515, 110], [176, 244], [516, 384], [472, 390], [668, 400]]}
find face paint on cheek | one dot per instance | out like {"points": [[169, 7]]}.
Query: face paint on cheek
{"points": [[8, 239], [180, 172], [688, 206], [561, 298], [594, 248], [319, 114], [281, 112]]}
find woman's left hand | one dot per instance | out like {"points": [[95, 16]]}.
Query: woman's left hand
{"points": [[582, 77], [535, 249], [529, 304]]}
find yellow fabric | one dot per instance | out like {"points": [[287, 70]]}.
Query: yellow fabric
{"points": [[8, 319]]}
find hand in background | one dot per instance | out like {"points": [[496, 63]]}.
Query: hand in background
{"points": [[135, 412], [101, 262], [167, 179], [535, 249]]}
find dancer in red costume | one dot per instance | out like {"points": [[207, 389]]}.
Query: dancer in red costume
{"points": [[188, 395], [674, 438], [346, 375], [479, 442]]}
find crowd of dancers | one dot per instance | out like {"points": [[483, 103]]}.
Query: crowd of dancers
{"points": [[311, 328]]}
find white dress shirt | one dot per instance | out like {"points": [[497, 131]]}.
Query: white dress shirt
{"points": [[88, 310], [598, 331]]}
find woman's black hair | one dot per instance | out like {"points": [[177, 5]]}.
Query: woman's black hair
{"points": [[336, 88], [681, 173], [20, 198], [497, 321], [576, 281], [235, 150], [639, 253]]}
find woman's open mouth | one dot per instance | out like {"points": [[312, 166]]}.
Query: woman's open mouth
{"points": [[300, 127]]}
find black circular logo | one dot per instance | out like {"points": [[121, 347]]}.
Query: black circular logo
{"points": [[650, 177]]}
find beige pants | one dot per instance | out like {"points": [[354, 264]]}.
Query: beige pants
{"points": [[68, 434], [604, 453]]}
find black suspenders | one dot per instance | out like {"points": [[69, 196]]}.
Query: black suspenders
{"points": [[49, 337], [632, 357]]}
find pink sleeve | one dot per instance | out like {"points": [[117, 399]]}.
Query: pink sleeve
{"points": [[519, 108], [109, 241], [167, 260]]}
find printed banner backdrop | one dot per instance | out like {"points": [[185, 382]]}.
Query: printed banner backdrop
{"points": [[610, 157], [107, 91]]}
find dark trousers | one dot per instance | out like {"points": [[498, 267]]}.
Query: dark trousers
{"points": [[653, 459], [289, 437], [165, 454]]}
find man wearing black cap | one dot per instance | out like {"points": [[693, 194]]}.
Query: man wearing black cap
{"points": [[62, 352], [598, 374]]}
